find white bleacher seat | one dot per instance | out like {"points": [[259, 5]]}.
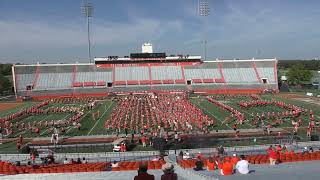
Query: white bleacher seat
{"points": [[166, 72], [131, 73]]}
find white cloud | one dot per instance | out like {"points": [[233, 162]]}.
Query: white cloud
{"points": [[43, 34]]}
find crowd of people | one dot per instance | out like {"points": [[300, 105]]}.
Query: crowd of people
{"points": [[226, 165], [168, 173], [11, 124], [234, 113], [142, 113], [291, 112]]}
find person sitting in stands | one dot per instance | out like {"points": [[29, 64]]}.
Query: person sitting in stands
{"points": [[72, 161], [65, 161], [180, 155], [199, 165], [78, 161], [199, 155], [186, 155], [114, 164], [243, 165], [210, 164], [84, 161], [226, 167], [272, 157], [169, 174], [234, 159], [142, 173]]}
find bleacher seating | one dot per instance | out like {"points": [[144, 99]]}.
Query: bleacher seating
{"points": [[131, 73], [10, 169], [261, 159], [134, 165], [54, 81], [242, 74], [166, 72], [198, 73], [24, 80]]}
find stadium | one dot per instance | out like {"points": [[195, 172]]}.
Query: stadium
{"points": [[154, 115], [175, 102]]}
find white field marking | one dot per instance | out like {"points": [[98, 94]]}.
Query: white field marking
{"points": [[24, 131], [72, 127], [278, 111], [244, 112], [5, 97], [47, 128], [95, 124], [211, 113]]}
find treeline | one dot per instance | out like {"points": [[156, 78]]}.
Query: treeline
{"points": [[313, 65], [5, 74]]}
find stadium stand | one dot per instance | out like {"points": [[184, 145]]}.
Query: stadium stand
{"points": [[232, 76]]}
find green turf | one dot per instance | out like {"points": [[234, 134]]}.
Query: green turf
{"points": [[23, 105], [95, 127]]}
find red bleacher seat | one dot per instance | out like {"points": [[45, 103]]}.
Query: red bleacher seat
{"points": [[219, 80], [156, 82], [77, 84], [119, 83], [132, 82], [89, 83], [180, 81], [101, 83], [127, 166], [208, 80], [197, 80], [145, 82], [168, 81]]}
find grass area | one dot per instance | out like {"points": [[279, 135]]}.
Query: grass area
{"points": [[23, 105], [8, 148], [105, 107], [219, 114]]}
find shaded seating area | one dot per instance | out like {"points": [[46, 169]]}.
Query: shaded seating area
{"points": [[259, 159]]}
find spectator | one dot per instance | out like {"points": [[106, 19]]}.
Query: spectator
{"points": [[169, 173], [210, 164], [114, 164], [33, 158], [234, 159], [199, 155], [226, 167], [272, 156], [78, 161], [180, 155], [220, 150], [65, 161], [142, 173], [243, 165], [72, 161], [199, 165], [186, 155], [84, 161], [144, 140]]}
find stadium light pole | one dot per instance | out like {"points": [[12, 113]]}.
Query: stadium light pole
{"points": [[87, 10], [204, 10]]}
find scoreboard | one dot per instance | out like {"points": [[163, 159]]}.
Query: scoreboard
{"points": [[147, 55]]}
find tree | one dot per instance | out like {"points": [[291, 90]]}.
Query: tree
{"points": [[298, 74], [5, 69], [5, 84]]}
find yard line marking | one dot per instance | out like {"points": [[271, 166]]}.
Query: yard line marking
{"points": [[239, 109], [211, 113], [47, 128], [72, 127], [99, 119]]}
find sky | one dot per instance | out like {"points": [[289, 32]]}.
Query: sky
{"points": [[50, 31]]}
